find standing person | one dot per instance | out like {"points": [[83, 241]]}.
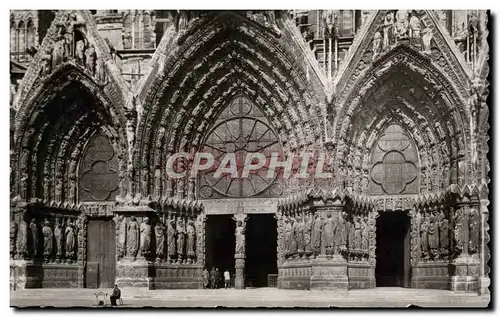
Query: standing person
{"points": [[206, 278], [227, 278], [115, 295], [212, 278], [217, 278]]}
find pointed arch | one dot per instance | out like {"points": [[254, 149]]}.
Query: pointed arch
{"points": [[402, 85], [223, 55], [51, 133]]}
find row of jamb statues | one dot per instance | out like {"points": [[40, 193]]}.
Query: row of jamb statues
{"points": [[51, 241], [436, 233], [173, 241], [304, 235]]}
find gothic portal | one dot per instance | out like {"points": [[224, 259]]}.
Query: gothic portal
{"points": [[393, 102]]}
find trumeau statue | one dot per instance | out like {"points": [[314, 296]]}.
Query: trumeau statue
{"points": [[240, 238], [132, 237], [145, 229]]}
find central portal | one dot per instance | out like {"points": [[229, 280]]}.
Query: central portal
{"points": [[261, 248], [220, 243], [393, 250]]}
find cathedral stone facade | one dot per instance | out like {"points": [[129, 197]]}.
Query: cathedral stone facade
{"points": [[101, 99]]}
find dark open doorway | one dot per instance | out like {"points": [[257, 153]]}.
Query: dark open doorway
{"points": [[261, 244], [393, 250], [220, 243]]}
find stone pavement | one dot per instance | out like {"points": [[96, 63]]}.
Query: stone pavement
{"points": [[261, 297]]}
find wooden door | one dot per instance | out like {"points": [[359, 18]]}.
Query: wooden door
{"points": [[101, 261]]}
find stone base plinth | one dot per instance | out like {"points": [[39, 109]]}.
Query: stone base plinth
{"points": [[329, 273], [296, 274], [465, 277], [26, 274], [361, 275], [171, 276], [239, 278], [431, 275], [484, 284], [133, 273]]}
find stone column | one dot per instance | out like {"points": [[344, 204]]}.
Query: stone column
{"points": [[239, 254], [329, 271], [484, 279]]}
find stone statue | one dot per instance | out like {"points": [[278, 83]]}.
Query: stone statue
{"points": [[130, 138], [145, 229], [357, 233], [316, 234], [80, 52], [122, 236], [181, 240], [473, 231], [70, 240], [59, 237], [13, 235], [160, 240], [47, 62], [388, 29], [402, 24], [287, 233], [48, 239], [377, 42], [240, 238], [307, 236], [34, 237], [101, 70], [132, 237], [90, 59], [57, 53], [415, 28], [340, 233], [426, 40], [171, 240], [293, 242], [22, 239], [191, 240], [365, 231], [444, 234], [424, 242], [433, 237], [351, 234], [458, 233], [299, 235], [328, 233]]}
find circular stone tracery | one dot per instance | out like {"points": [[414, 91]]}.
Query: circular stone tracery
{"points": [[241, 129]]}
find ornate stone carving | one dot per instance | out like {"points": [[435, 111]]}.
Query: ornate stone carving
{"points": [[132, 237], [424, 237], [458, 230], [433, 235], [22, 239], [307, 234], [121, 241], [473, 231], [444, 235], [59, 239], [160, 241]]}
